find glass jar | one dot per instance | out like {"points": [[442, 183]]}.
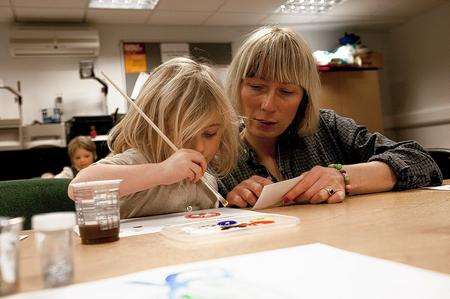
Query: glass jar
{"points": [[9, 254], [54, 242]]}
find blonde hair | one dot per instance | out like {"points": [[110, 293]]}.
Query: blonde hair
{"points": [[278, 54], [179, 97], [83, 142]]}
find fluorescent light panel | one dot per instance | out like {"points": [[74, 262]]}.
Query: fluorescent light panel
{"points": [[123, 4], [307, 6]]}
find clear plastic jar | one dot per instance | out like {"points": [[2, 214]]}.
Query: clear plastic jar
{"points": [[9, 254], [54, 242], [97, 206]]}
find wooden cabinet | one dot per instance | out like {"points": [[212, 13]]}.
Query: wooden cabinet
{"points": [[354, 94]]}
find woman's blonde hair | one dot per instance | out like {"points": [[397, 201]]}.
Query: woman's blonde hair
{"points": [[83, 142], [278, 54], [180, 96]]}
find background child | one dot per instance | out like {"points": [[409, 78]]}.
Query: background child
{"points": [[82, 153], [185, 100]]}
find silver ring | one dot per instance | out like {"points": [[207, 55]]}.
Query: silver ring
{"points": [[329, 190]]}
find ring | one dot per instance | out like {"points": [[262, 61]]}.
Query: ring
{"points": [[329, 190]]}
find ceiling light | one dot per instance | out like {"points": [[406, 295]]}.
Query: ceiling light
{"points": [[307, 6], [123, 4]]}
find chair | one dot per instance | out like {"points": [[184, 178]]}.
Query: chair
{"points": [[442, 158], [34, 196]]}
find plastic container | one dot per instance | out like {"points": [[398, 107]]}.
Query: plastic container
{"points": [[97, 206], [54, 242], [9, 254], [225, 227]]}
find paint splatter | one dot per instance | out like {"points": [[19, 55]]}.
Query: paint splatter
{"points": [[202, 215]]}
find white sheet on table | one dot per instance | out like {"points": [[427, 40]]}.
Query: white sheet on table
{"points": [[309, 271]]}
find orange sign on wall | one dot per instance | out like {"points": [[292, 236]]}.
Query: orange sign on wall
{"points": [[135, 59]]}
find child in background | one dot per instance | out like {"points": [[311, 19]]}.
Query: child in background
{"points": [[185, 100], [82, 153]]}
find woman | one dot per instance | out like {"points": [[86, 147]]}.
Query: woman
{"points": [[274, 83]]}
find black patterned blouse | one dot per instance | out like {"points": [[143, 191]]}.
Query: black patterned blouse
{"points": [[340, 140]]}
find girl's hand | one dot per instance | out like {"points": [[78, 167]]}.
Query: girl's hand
{"points": [[318, 185], [183, 164], [247, 192]]}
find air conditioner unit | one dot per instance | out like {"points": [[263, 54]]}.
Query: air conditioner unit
{"points": [[54, 42]]}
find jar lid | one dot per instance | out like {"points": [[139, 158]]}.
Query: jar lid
{"points": [[6, 222], [94, 184], [53, 221]]}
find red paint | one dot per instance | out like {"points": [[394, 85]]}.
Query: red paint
{"points": [[202, 215]]}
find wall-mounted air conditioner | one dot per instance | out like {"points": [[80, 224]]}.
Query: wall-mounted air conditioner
{"points": [[26, 41]]}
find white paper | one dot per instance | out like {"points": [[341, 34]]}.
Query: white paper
{"points": [[441, 188], [154, 224], [309, 271], [271, 195], [140, 81]]}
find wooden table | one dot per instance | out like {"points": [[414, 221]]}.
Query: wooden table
{"points": [[411, 227]]}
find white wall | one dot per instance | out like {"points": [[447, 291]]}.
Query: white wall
{"points": [[420, 78], [43, 78]]}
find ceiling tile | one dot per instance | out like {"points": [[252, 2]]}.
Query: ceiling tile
{"points": [[189, 5], [4, 2], [289, 19], [118, 16], [51, 3], [49, 14], [413, 7], [178, 18], [5, 14], [361, 8], [234, 19], [252, 6]]}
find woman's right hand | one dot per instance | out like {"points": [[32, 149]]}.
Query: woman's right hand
{"points": [[247, 192], [183, 164]]}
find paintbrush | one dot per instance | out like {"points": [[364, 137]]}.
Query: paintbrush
{"points": [[222, 200]]}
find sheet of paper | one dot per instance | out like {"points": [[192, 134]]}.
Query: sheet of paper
{"points": [[271, 194], [154, 224], [309, 271], [440, 188]]}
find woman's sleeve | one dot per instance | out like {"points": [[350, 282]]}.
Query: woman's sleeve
{"points": [[412, 165]]}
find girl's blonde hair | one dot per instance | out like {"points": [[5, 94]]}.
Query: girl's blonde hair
{"points": [[180, 96], [278, 54], [83, 142]]}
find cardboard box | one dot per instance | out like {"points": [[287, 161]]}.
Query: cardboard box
{"points": [[372, 59]]}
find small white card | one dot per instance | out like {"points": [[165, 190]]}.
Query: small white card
{"points": [[271, 195], [441, 188]]}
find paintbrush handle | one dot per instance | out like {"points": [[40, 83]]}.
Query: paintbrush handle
{"points": [[222, 200], [150, 122]]}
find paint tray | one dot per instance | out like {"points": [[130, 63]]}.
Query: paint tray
{"points": [[225, 227]]}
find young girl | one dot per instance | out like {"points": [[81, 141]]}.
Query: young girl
{"points": [[82, 153], [185, 100]]}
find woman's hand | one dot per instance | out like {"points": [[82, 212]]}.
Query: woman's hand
{"points": [[183, 164], [320, 184], [247, 192]]}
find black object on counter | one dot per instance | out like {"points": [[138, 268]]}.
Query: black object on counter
{"points": [[82, 125]]}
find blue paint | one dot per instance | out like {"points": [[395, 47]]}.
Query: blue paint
{"points": [[226, 223]]}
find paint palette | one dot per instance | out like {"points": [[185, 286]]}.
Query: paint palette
{"points": [[223, 227]]}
